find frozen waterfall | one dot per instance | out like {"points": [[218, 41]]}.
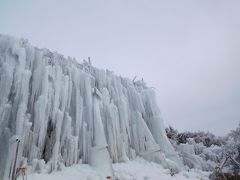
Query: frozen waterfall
{"points": [[65, 113]]}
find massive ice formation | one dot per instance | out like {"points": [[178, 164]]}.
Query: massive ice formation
{"points": [[64, 113]]}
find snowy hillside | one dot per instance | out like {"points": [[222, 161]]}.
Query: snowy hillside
{"points": [[205, 151], [66, 113]]}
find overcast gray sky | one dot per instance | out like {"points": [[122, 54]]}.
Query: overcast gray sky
{"points": [[188, 50]]}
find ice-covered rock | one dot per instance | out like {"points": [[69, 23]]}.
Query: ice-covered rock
{"points": [[64, 112]]}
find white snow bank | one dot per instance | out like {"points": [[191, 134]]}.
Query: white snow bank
{"points": [[138, 169]]}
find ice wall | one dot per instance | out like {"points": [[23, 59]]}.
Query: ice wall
{"points": [[65, 112]]}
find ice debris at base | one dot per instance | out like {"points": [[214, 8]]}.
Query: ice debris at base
{"points": [[65, 112]]}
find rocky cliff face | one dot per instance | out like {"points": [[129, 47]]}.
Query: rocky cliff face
{"points": [[64, 113]]}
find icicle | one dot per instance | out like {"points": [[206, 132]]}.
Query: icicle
{"points": [[99, 156]]}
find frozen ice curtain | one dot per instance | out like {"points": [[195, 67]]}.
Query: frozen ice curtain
{"points": [[65, 112]]}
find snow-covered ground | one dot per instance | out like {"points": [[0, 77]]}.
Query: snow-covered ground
{"points": [[138, 169]]}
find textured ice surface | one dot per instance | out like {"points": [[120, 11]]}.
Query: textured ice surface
{"points": [[65, 113]]}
